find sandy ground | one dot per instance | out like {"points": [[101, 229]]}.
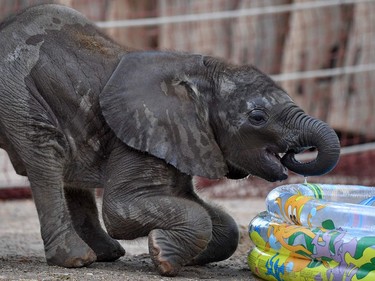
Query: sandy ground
{"points": [[22, 256]]}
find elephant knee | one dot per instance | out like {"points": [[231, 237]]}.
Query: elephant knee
{"points": [[225, 233], [224, 241], [232, 238]]}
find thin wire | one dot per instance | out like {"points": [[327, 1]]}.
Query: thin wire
{"points": [[323, 72], [227, 14]]}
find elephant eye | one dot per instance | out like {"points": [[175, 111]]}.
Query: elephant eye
{"points": [[258, 117]]}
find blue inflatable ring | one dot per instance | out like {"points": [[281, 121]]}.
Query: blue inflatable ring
{"points": [[315, 232]]}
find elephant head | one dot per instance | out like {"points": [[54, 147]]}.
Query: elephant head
{"points": [[212, 119]]}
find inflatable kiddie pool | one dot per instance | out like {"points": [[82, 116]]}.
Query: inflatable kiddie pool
{"points": [[315, 232]]}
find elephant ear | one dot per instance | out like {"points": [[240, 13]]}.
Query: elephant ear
{"points": [[152, 103]]}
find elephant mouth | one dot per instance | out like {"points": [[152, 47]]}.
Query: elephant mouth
{"points": [[272, 167], [263, 163]]}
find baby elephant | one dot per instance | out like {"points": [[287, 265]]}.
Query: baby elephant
{"points": [[77, 112]]}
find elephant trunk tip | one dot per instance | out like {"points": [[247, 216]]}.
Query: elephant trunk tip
{"points": [[310, 168], [325, 161]]}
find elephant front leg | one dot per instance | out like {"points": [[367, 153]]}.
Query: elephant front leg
{"points": [[84, 214], [177, 229]]}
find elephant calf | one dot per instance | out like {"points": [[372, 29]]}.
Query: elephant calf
{"points": [[77, 112]]}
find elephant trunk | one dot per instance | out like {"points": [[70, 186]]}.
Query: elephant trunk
{"points": [[319, 135]]}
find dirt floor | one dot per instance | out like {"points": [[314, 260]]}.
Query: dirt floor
{"points": [[22, 256]]}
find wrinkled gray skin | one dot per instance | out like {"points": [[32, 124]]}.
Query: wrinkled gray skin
{"points": [[78, 112]]}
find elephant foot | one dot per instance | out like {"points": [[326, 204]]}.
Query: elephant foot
{"points": [[70, 251], [107, 251], [106, 248], [172, 249], [165, 253]]}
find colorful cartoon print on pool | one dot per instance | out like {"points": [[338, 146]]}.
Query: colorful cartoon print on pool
{"points": [[315, 232]]}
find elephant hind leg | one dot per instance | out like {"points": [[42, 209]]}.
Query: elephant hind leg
{"points": [[15, 159], [84, 214], [177, 229], [63, 246], [43, 152]]}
